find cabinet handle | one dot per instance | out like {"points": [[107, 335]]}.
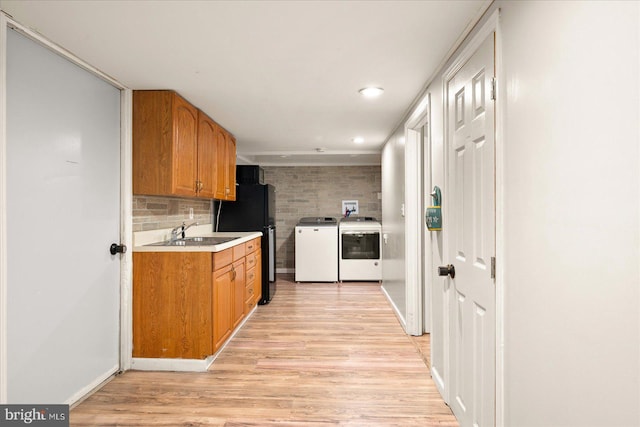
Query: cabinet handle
{"points": [[200, 185]]}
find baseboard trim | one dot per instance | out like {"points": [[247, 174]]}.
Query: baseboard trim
{"points": [[395, 308], [92, 387]]}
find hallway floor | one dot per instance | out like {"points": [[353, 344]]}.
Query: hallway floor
{"points": [[317, 355]]}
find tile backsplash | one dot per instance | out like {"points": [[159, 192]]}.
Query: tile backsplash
{"points": [[154, 212]]}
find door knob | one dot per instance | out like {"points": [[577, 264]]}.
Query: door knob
{"points": [[117, 249], [447, 270]]}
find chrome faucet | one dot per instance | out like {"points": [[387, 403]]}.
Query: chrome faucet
{"points": [[180, 230]]}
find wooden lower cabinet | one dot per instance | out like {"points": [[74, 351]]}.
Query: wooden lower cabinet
{"points": [[172, 309], [186, 305]]}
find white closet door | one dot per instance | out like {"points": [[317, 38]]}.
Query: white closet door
{"points": [[63, 212], [471, 239]]}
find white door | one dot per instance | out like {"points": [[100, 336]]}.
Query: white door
{"points": [[63, 213], [471, 237]]}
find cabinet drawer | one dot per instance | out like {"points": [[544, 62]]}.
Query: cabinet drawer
{"points": [[251, 260], [249, 304], [238, 251], [252, 245], [251, 275], [249, 292], [222, 258]]}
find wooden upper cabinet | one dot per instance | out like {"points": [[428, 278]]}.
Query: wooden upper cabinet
{"points": [[164, 144], [231, 167], [178, 150], [207, 155]]}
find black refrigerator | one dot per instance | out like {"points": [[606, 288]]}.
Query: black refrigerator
{"points": [[255, 210]]}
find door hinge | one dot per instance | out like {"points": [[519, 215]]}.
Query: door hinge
{"points": [[493, 267], [493, 88]]}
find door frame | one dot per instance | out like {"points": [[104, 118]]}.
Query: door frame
{"points": [[126, 196], [417, 294], [492, 24]]}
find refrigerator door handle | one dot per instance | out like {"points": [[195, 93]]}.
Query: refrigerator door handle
{"points": [[272, 255]]}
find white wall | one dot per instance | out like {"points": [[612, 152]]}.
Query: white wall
{"points": [[569, 94], [570, 97], [393, 253]]}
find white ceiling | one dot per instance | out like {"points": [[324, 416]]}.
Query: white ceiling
{"points": [[282, 76]]}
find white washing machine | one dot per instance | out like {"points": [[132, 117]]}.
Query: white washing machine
{"points": [[360, 249], [316, 249]]}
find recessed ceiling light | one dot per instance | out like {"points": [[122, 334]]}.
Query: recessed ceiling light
{"points": [[371, 92], [358, 139]]}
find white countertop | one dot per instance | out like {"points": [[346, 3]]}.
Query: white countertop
{"points": [[143, 238]]}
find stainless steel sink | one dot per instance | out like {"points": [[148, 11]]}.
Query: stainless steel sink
{"points": [[200, 241], [194, 241]]}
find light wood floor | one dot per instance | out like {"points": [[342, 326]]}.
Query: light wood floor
{"points": [[318, 355]]}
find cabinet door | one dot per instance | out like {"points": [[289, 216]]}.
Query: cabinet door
{"points": [[238, 291], [230, 180], [185, 150], [220, 164], [222, 297], [207, 153]]}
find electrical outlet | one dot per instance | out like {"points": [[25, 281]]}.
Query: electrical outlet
{"points": [[190, 213]]}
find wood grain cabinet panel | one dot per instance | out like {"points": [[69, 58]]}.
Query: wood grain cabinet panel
{"points": [[221, 166], [207, 154], [172, 311], [230, 163], [253, 288], [258, 279], [185, 147], [164, 144], [222, 305], [178, 150], [228, 300], [239, 284], [252, 245], [225, 166]]}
